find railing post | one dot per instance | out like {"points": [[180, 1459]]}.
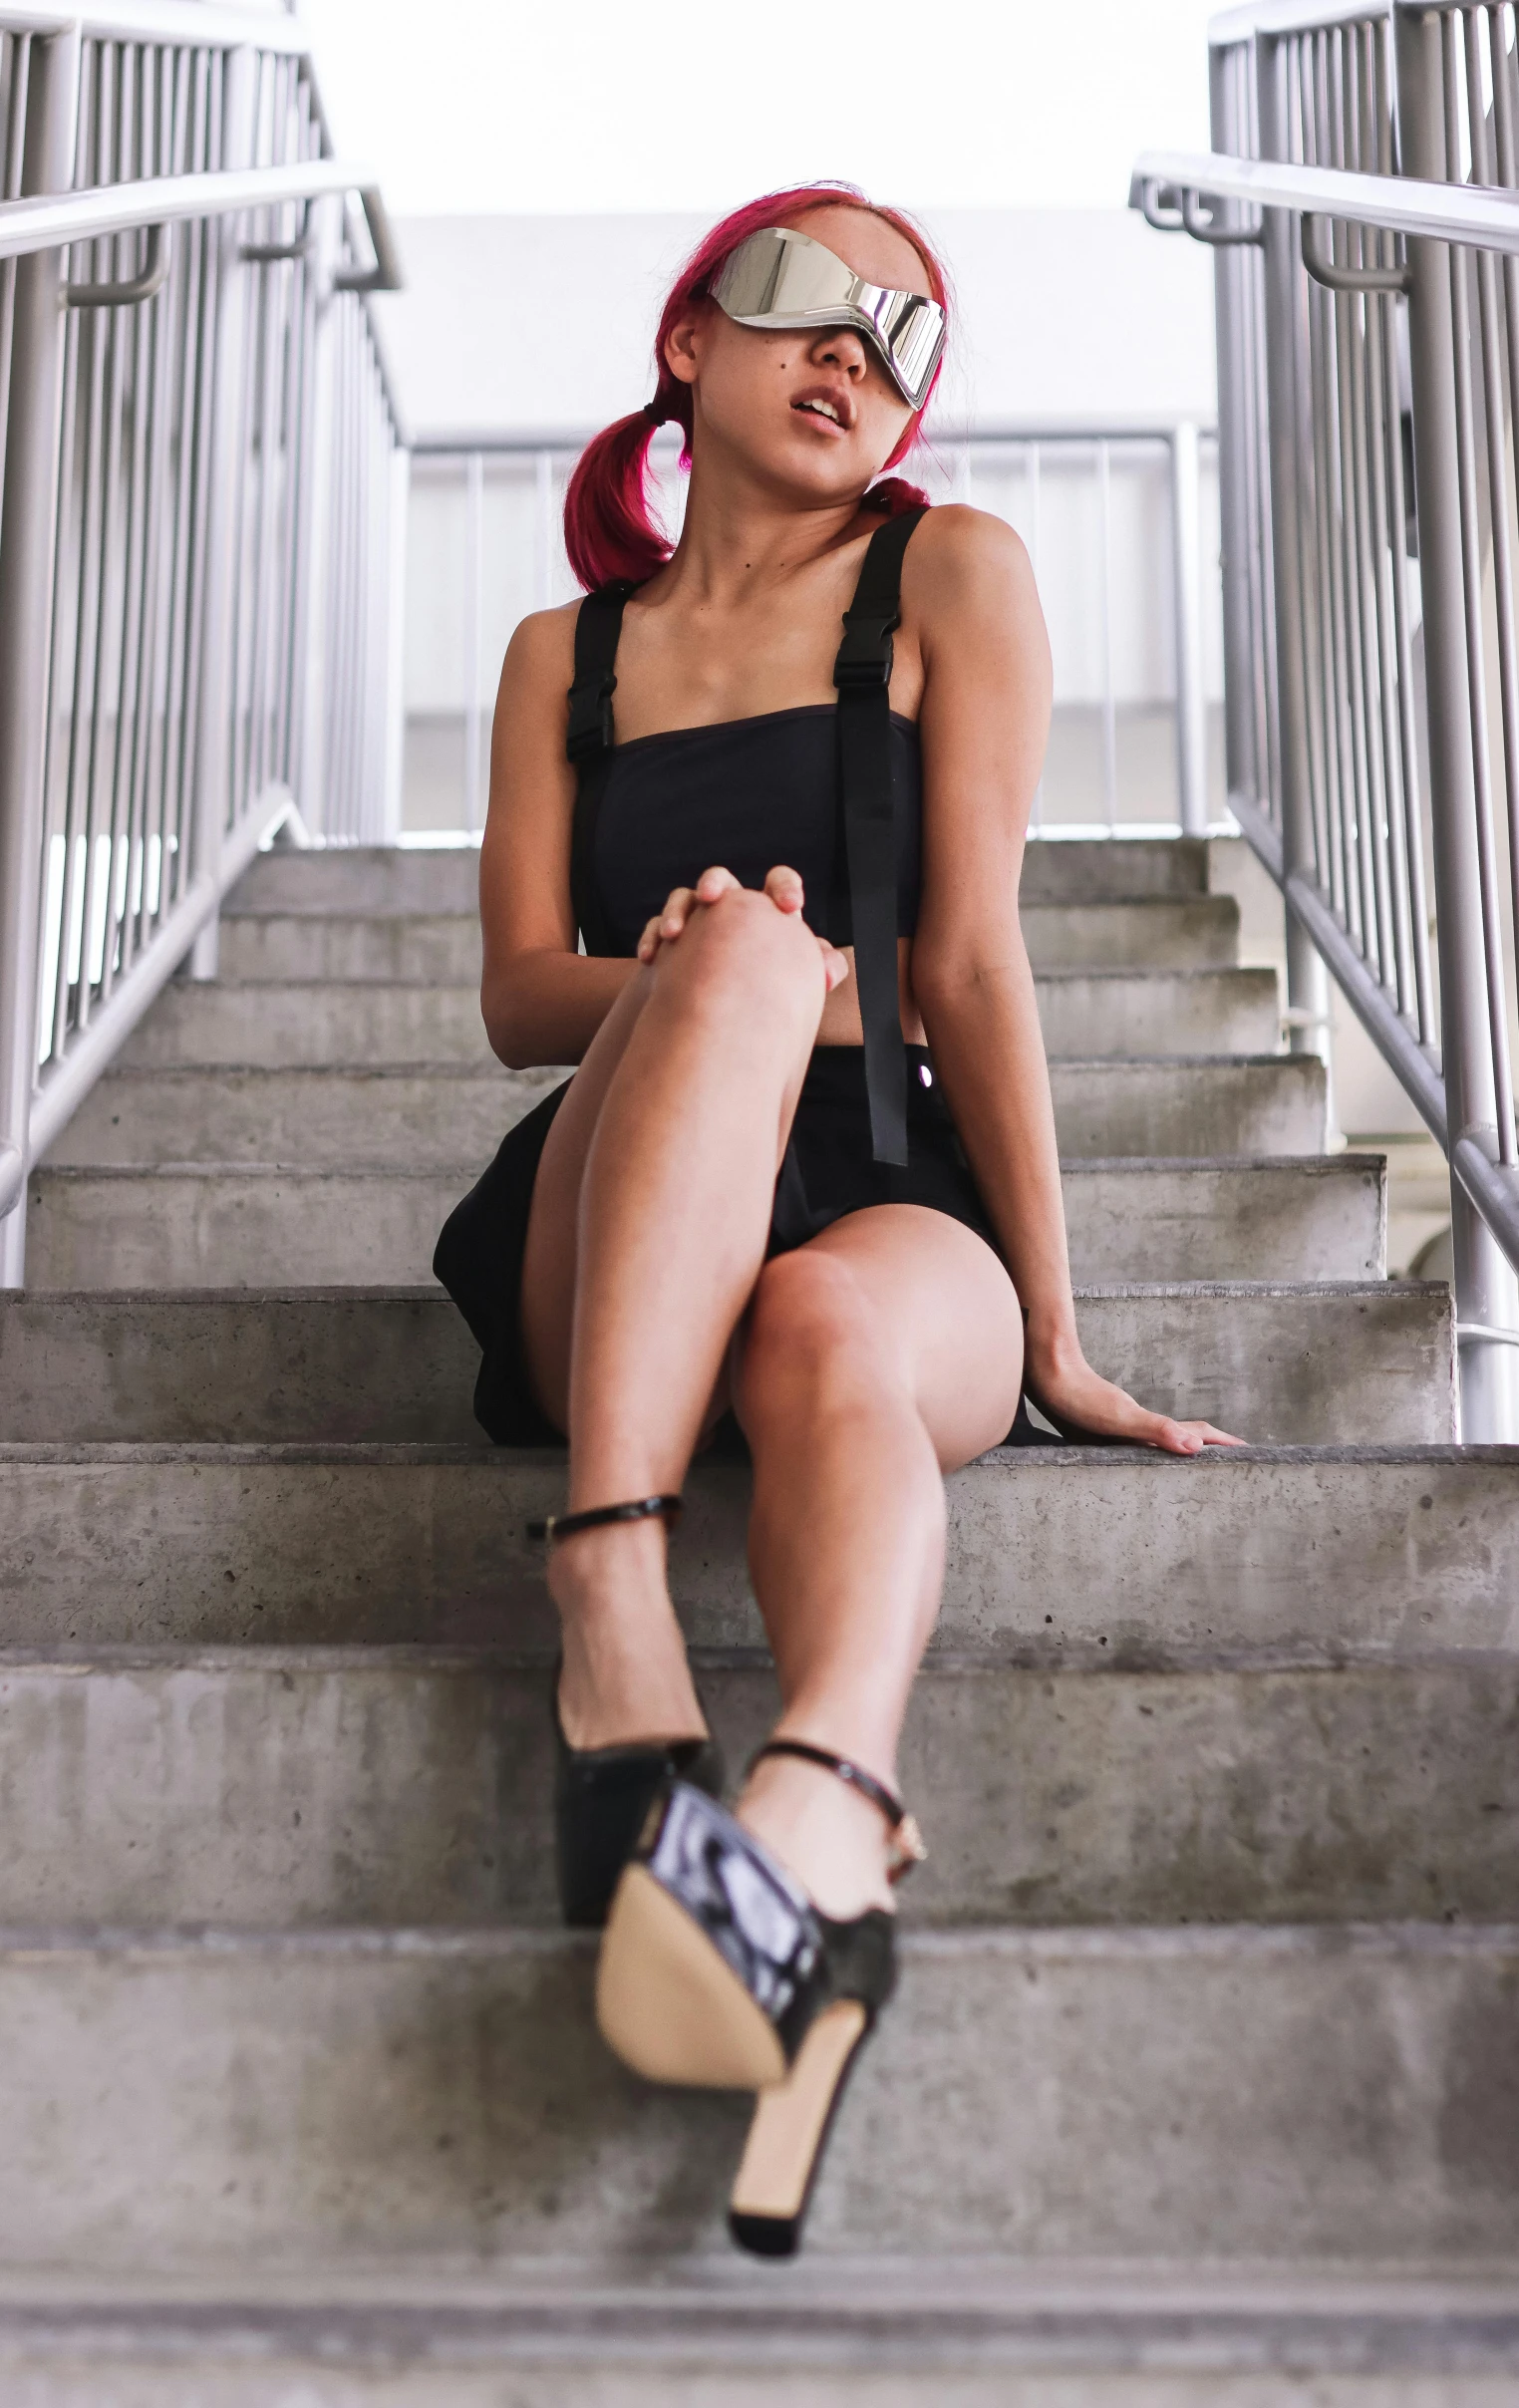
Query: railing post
{"points": [[398, 470], [1307, 977], [1186, 545], [1231, 265], [1485, 1287], [315, 539], [216, 736], [28, 530]]}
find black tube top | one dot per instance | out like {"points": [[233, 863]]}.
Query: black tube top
{"points": [[746, 795]]}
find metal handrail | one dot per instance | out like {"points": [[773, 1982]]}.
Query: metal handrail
{"points": [[197, 24], [1368, 402], [41, 223], [1486, 217], [1276, 17]]}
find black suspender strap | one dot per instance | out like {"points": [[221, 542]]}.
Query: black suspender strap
{"points": [[588, 745], [862, 675], [598, 625]]}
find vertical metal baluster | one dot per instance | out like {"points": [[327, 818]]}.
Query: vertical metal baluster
{"points": [[116, 343], [1232, 269], [1366, 582], [91, 353], [1505, 68], [1186, 547], [1329, 806], [1503, 582], [1306, 989], [214, 685], [170, 699], [1476, 670], [1264, 588], [1336, 700], [1332, 849], [134, 327], [473, 509], [177, 809], [1110, 714], [18, 48], [1031, 459], [1384, 446], [1345, 306]]}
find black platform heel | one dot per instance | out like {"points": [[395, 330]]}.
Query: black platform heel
{"points": [[717, 1971], [602, 1795]]}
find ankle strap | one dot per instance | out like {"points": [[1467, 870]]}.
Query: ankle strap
{"points": [[907, 1838], [557, 1526]]}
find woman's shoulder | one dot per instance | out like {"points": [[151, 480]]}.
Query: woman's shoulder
{"points": [[966, 565], [540, 658], [545, 639], [953, 541]]}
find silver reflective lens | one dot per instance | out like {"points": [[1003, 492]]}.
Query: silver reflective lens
{"points": [[782, 278]]}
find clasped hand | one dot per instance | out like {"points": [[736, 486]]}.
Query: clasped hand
{"points": [[784, 890]]}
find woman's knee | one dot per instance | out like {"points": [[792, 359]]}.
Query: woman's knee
{"points": [[810, 1327], [745, 955]]}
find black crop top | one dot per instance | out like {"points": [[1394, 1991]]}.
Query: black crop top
{"points": [[832, 791], [743, 796]]}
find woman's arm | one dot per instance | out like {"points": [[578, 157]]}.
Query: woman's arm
{"points": [[969, 593], [542, 1000]]}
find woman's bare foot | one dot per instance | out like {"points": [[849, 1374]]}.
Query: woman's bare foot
{"points": [[625, 1675], [832, 1838]]}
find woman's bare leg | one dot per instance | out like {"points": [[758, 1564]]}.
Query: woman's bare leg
{"points": [[876, 1358], [671, 1217]]}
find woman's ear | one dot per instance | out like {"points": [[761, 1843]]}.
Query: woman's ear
{"points": [[683, 347]]}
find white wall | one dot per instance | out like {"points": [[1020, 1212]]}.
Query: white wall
{"points": [[530, 323]]}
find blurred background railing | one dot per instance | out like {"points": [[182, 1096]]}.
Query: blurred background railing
{"points": [[1360, 204], [1122, 520], [202, 518]]}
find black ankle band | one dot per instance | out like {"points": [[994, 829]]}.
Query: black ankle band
{"points": [[907, 1847], [557, 1526], [866, 1783]]}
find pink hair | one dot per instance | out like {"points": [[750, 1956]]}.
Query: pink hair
{"points": [[608, 530]]}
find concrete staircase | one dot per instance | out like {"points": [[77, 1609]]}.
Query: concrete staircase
{"points": [[1204, 2079]]}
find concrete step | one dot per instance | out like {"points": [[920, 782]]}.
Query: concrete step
{"points": [[1083, 1013], [372, 1118], [1056, 1557], [1310, 1365], [201, 1226], [900, 2332], [227, 2103], [384, 880], [281, 1787], [1196, 932]]}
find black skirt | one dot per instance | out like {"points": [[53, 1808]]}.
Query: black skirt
{"points": [[828, 1171]]}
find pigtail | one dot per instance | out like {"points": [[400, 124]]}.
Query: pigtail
{"points": [[609, 531], [895, 495]]}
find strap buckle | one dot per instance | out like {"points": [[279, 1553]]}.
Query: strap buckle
{"points": [[590, 716], [864, 656]]}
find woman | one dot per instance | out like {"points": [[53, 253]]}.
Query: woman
{"points": [[806, 1170]]}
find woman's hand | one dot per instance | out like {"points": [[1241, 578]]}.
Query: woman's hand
{"points": [[1061, 1380], [783, 888]]}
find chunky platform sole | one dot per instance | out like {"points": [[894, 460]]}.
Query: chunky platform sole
{"points": [[668, 2004], [790, 2133]]}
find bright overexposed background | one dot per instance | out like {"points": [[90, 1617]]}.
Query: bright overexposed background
{"points": [[471, 106]]}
